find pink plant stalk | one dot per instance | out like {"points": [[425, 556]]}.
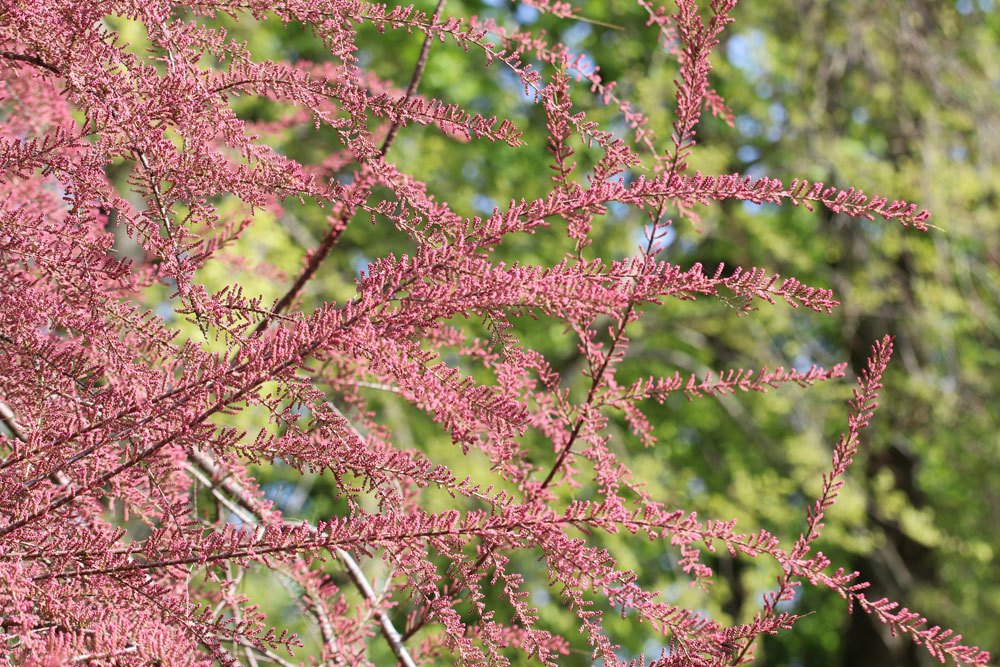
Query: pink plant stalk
{"points": [[113, 427]]}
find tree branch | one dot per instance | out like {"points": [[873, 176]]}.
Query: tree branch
{"points": [[336, 229], [247, 502]]}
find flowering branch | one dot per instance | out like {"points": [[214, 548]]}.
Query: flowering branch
{"points": [[132, 517]]}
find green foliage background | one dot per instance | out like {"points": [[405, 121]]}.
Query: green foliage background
{"points": [[899, 98]]}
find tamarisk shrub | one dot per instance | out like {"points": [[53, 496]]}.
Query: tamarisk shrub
{"points": [[131, 506]]}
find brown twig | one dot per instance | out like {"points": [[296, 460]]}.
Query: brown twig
{"points": [[336, 229]]}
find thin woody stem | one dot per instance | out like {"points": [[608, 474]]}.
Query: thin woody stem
{"points": [[333, 234], [246, 501], [31, 60]]}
